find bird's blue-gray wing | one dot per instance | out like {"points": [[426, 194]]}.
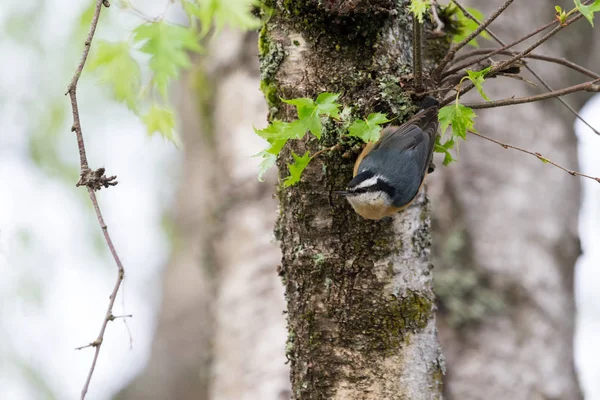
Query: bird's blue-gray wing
{"points": [[403, 155]]}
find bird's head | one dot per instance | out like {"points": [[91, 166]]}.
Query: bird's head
{"points": [[370, 195]]}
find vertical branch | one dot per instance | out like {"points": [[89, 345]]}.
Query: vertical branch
{"points": [[94, 180], [417, 53]]}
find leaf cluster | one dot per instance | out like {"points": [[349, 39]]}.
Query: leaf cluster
{"points": [[310, 113], [167, 47], [279, 132]]}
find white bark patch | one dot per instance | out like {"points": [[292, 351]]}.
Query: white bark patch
{"points": [[294, 68], [407, 274], [420, 363]]}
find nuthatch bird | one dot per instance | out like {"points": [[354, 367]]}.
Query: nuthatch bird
{"points": [[388, 174]]}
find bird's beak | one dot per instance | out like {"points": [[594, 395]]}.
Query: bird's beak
{"points": [[343, 193]]}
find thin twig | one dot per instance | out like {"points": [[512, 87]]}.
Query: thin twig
{"points": [[534, 46], [438, 70], [332, 148], [586, 86], [496, 51], [534, 56], [537, 155], [94, 180], [417, 54], [535, 74], [526, 52], [505, 64]]}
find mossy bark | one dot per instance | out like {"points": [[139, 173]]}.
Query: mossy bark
{"points": [[359, 293]]}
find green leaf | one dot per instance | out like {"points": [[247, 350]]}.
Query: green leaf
{"points": [[300, 102], [468, 26], [161, 120], [326, 103], [279, 130], [118, 70], [478, 77], [419, 8], [167, 44], [310, 112], [276, 146], [233, 13], [588, 11], [269, 156], [267, 162], [275, 130], [309, 119], [460, 117], [368, 130], [296, 169], [445, 148]]}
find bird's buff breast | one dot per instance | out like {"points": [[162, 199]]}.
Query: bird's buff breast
{"points": [[375, 210]]}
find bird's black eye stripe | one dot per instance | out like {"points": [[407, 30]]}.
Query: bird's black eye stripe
{"points": [[380, 185], [385, 187]]}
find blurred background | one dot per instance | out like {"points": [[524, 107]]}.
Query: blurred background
{"points": [[193, 226]]}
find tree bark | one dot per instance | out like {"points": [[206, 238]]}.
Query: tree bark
{"points": [[359, 294], [506, 236], [221, 330]]}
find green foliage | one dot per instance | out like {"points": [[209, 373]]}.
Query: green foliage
{"points": [[460, 117], [445, 148], [588, 11], [561, 14], [277, 133], [462, 120], [233, 13], [310, 112], [161, 120], [468, 26], [297, 168], [309, 119], [478, 77], [368, 129], [419, 8], [118, 70], [167, 44]]}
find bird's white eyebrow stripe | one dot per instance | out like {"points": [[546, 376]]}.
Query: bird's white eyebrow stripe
{"points": [[368, 182]]}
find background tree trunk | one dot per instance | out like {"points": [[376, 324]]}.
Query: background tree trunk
{"points": [[359, 293], [505, 229], [221, 331]]}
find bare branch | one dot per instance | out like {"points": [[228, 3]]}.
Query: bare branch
{"points": [[494, 52], [505, 64], [438, 70], [534, 56], [94, 180], [537, 155], [536, 75], [587, 86], [534, 46]]}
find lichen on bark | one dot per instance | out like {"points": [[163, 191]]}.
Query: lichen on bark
{"points": [[359, 293]]}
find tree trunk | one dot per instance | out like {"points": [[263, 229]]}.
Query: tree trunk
{"points": [[221, 330], [506, 237], [359, 294]]}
